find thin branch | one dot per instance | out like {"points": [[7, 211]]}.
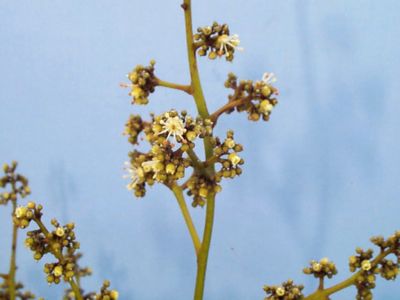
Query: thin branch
{"points": [[185, 88]]}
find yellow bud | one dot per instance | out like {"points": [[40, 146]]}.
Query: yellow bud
{"points": [[60, 231], [31, 205], [266, 91], [280, 291], [234, 159], [170, 168], [230, 143], [191, 135], [266, 106], [114, 295], [203, 192], [58, 271], [20, 212], [366, 265]]}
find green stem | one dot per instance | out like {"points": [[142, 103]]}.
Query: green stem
{"points": [[13, 266], [175, 86], [208, 149], [186, 215], [58, 254], [205, 248]]}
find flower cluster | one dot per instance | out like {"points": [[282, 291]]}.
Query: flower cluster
{"points": [[143, 82], [321, 269], [133, 127], [256, 98], [216, 41], [60, 242], [106, 294], [170, 135], [17, 182], [21, 295], [199, 187], [226, 154], [287, 291]]}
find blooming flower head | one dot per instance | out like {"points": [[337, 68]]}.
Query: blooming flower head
{"points": [[224, 42], [172, 126], [135, 175]]}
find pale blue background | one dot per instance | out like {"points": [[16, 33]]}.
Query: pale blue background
{"points": [[319, 179]]}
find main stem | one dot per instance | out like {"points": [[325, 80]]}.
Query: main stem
{"points": [[13, 266], [201, 105]]}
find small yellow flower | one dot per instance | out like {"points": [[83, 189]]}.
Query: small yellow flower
{"points": [[20, 212], [114, 295], [234, 159], [366, 265], [58, 271], [135, 175], [230, 143], [316, 267], [266, 107], [280, 291], [60, 231]]}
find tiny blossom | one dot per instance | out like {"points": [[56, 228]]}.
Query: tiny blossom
{"points": [[225, 40], [173, 126], [60, 232], [234, 158], [280, 291], [366, 265], [316, 267], [268, 78], [134, 174], [58, 271], [20, 212], [150, 165]]}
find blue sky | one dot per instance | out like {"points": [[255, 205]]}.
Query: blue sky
{"points": [[320, 178]]}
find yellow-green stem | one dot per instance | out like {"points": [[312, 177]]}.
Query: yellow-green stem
{"points": [[208, 149], [13, 266], [175, 86], [72, 282], [186, 215]]}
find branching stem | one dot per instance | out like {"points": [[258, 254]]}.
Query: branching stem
{"points": [[175, 86], [186, 215]]}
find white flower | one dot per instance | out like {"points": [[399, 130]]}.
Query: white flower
{"points": [[224, 41], [268, 78], [173, 126], [135, 175]]}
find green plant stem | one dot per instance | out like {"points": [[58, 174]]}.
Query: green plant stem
{"points": [[58, 254], [325, 293], [175, 86], [208, 149], [186, 215], [13, 265]]}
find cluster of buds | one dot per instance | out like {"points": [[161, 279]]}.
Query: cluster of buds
{"points": [[226, 155], [23, 215], [133, 128], [60, 242], [216, 41], [160, 164], [170, 135], [143, 82], [365, 282], [21, 295], [18, 183], [106, 294], [256, 98], [321, 269], [199, 187], [287, 291]]}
